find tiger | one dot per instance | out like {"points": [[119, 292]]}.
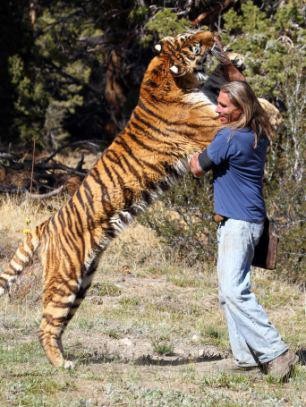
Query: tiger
{"points": [[172, 119]]}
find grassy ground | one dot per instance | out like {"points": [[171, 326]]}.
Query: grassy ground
{"points": [[149, 333]]}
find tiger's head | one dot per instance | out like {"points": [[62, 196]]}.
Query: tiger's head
{"points": [[183, 57], [186, 52]]}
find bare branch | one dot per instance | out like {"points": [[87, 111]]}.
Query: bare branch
{"points": [[56, 191]]}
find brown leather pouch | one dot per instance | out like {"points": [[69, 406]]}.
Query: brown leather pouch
{"points": [[266, 249], [218, 218]]}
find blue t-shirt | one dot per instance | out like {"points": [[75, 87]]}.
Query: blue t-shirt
{"points": [[238, 174]]}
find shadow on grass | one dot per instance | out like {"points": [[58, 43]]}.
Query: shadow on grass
{"points": [[88, 358], [156, 360], [174, 360]]}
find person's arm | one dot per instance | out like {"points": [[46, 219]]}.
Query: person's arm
{"points": [[218, 151], [200, 163]]}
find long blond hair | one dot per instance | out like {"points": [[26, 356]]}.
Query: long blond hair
{"points": [[253, 115]]}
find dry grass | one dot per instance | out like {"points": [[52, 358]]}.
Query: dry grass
{"points": [[150, 332], [17, 215]]}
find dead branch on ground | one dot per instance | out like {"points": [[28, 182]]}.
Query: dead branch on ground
{"points": [[50, 175]]}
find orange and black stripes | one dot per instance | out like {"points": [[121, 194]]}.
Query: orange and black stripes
{"points": [[144, 160]]}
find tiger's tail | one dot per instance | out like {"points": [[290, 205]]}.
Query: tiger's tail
{"points": [[21, 259]]}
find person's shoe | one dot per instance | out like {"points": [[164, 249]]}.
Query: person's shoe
{"points": [[280, 368]]}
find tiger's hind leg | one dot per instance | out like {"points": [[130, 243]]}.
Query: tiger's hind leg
{"points": [[58, 311], [56, 307], [85, 285]]}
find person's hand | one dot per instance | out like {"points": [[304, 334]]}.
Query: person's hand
{"points": [[194, 165]]}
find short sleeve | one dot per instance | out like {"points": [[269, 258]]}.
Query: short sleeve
{"points": [[220, 149]]}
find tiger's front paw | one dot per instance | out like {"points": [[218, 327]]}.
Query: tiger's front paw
{"points": [[237, 60]]}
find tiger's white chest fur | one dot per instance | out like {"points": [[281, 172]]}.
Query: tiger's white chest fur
{"points": [[197, 97]]}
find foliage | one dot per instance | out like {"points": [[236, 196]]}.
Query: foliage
{"points": [[184, 220], [59, 75], [30, 100], [74, 71], [272, 46], [274, 49], [165, 22]]}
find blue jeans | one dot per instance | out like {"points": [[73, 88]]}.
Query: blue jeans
{"points": [[252, 337]]}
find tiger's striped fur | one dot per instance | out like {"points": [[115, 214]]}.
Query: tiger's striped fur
{"points": [[172, 119]]}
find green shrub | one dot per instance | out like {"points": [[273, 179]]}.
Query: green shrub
{"points": [[184, 220], [274, 50]]}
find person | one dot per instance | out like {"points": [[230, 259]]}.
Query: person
{"points": [[237, 157]]}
